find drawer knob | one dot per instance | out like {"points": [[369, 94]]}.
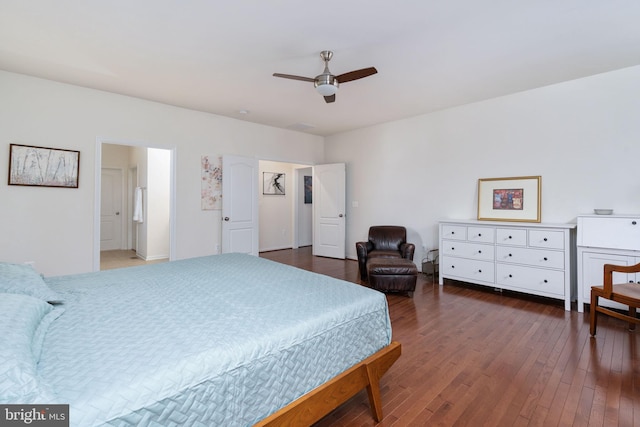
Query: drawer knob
{"points": [[633, 223], [545, 239], [510, 237], [510, 275], [479, 234], [479, 251], [545, 281], [479, 271], [453, 249], [453, 232], [510, 255], [545, 258]]}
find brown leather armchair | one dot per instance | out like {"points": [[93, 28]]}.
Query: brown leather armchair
{"points": [[385, 241]]}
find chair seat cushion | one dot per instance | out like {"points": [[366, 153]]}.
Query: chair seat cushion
{"points": [[391, 266], [623, 290], [378, 253]]}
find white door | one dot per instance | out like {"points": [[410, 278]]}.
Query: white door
{"points": [[329, 210], [239, 205], [111, 209]]}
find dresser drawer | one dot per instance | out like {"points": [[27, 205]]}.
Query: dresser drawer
{"points": [[480, 234], [546, 239], [468, 269], [533, 257], [454, 232], [609, 232], [468, 250], [509, 236], [530, 279]]}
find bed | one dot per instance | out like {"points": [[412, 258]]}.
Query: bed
{"points": [[231, 340]]}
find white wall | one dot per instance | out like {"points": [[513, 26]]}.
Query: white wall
{"points": [[55, 226], [582, 137]]}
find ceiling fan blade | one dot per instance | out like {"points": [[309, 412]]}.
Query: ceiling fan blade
{"points": [[357, 74], [289, 76], [330, 98]]}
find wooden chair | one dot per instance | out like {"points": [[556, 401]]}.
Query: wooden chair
{"points": [[625, 293]]}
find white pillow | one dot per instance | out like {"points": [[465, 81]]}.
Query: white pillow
{"points": [[23, 279], [20, 317]]}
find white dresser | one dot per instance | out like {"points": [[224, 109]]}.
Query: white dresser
{"points": [[532, 258], [606, 239]]}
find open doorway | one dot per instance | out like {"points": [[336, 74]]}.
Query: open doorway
{"points": [[134, 205], [285, 220]]}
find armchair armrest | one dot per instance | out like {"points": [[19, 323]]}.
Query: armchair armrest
{"points": [[408, 249], [362, 250]]}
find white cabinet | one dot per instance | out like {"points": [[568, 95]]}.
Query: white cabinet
{"points": [[537, 259], [605, 239]]}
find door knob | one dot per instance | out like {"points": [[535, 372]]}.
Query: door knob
{"points": [[117, 213], [340, 216], [226, 218]]}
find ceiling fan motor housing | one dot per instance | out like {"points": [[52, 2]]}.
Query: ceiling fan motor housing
{"points": [[326, 84]]}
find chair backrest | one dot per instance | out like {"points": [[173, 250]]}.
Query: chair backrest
{"points": [[387, 237]]}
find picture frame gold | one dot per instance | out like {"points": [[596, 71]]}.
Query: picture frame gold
{"points": [[510, 199]]}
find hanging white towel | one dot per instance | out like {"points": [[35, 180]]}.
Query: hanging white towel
{"points": [[137, 206]]}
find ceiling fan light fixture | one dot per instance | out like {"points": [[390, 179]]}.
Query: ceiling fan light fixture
{"points": [[326, 84]]}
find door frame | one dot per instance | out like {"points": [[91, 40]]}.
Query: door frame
{"points": [[97, 191]]}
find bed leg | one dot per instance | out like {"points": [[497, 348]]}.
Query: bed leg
{"points": [[373, 390], [375, 370]]}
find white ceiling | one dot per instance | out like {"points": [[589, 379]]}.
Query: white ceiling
{"points": [[219, 56]]}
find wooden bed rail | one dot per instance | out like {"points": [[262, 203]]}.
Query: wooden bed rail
{"points": [[319, 402]]}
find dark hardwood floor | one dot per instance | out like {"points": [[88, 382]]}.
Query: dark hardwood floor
{"points": [[472, 356]]}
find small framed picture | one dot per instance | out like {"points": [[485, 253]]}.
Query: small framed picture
{"points": [[273, 183], [43, 167], [510, 199]]}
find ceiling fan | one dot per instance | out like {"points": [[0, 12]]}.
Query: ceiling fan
{"points": [[326, 83]]}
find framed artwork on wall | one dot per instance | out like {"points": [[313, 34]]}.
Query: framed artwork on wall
{"points": [[510, 199], [211, 183], [308, 189], [273, 183], [43, 167]]}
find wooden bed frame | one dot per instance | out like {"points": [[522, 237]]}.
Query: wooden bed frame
{"points": [[319, 402]]}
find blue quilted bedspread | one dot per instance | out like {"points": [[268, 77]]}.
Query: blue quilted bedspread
{"points": [[223, 340]]}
